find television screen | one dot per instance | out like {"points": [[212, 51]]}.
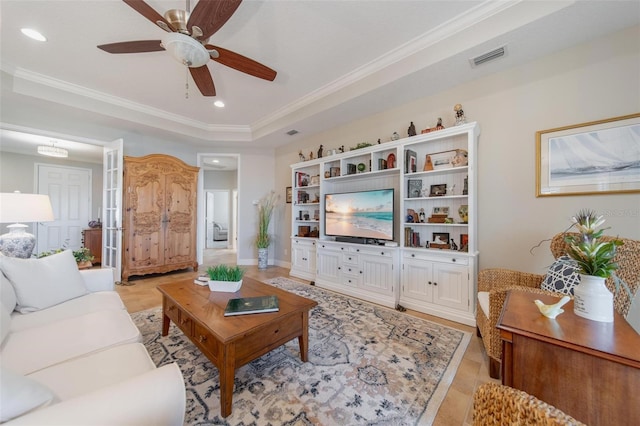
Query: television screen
{"points": [[364, 214]]}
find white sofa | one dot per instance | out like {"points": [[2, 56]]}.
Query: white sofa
{"points": [[220, 232], [71, 355]]}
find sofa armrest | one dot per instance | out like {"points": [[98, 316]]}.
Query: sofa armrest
{"points": [[154, 398], [99, 279], [497, 279]]}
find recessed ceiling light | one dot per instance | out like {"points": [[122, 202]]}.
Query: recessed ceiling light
{"points": [[215, 161], [31, 33], [219, 104]]}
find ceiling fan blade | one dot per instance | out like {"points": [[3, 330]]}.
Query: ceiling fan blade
{"points": [[242, 63], [203, 79], [211, 15], [139, 46], [148, 12]]}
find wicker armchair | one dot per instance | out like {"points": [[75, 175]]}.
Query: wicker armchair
{"points": [[497, 282], [498, 405]]}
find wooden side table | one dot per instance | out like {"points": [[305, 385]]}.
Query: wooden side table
{"points": [[92, 239], [588, 369]]}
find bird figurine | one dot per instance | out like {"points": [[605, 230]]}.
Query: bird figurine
{"points": [[552, 311]]}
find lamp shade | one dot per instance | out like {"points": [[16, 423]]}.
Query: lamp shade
{"points": [[18, 207]]}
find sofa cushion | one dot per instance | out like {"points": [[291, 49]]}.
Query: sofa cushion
{"points": [[483, 301], [562, 276], [36, 348], [7, 293], [92, 302], [5, 322], [92, 372], [19, 395], [41, 283]]}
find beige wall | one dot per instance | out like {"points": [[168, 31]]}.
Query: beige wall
{"points": [[593, 81], [17, 173]]}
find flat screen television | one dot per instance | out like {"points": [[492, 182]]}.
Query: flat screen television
{"points": [[362, 214]]}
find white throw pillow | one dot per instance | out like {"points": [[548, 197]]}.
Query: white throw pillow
{"points": [[41, 283], [20, 394]]}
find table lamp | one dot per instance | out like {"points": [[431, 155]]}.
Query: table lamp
{"points": [[17, 207]]}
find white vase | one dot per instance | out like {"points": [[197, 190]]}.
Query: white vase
{"points": [[593, 300], [263, 256]]}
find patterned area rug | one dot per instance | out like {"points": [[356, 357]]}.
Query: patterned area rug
{"points": [[368, 365]]}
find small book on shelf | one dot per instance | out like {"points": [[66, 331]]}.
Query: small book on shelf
{"points": [[251, 305]]}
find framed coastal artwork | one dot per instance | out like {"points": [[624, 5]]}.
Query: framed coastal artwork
{"points": [[599, 157], [288, 193]]}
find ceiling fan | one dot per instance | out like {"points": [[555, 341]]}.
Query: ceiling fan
{"points": [[187, 37]]}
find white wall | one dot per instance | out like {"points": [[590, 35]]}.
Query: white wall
{"points": [[597, 80]]}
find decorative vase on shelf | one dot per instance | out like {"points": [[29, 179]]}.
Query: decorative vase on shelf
{"points": [[262, 257], [593, 300]]}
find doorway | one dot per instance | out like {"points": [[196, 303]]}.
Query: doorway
{"points": [[69, 189]]}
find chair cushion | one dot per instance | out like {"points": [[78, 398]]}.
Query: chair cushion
{"points": [[41, 283], [19, 395], [562, 276], [483, 301]]}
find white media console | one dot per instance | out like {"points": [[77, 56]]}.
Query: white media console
{"points": [[431, 264]]}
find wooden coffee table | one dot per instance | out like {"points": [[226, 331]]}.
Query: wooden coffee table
{"points": [[230, 342]]}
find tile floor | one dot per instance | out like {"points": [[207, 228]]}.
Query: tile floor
{"points": [[456, 409]]}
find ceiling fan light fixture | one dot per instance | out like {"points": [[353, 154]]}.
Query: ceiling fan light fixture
{"points": [[185, 50], [178, 19], [53, 151]]}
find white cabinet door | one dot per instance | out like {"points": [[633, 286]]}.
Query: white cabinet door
{"points": [[377, 274], [451, 285], [416, 280], [329, 265], [300, 257]]}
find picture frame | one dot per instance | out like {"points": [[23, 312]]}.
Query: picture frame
{"points": [[315, 180], [410, 161], [441, 211], [442, 236], [464, 242], [589, 172], [288, 194], [438, 190], [414, 188], [334, 171]]}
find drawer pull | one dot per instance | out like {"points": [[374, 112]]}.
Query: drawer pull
{"points": [[429, 282], [453, 260], [413, 255], [435, 283], [382, 253], [202, 338]]}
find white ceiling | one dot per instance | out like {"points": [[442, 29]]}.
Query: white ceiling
{"points": [[337, 61]]}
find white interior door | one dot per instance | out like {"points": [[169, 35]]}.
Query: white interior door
{"points": [[209, 219], [70, 194], [112, 207]]}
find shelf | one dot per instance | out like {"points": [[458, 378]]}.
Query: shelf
{"points": [[434, 224], [307, 187], [444, 197], [438, 172], [443, 251], [306, 221], [375, 173], [307, 204]]}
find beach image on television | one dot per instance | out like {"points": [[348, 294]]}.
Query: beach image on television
{"points": [[366, 214]]}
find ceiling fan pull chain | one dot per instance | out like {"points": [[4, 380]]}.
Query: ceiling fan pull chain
{"points": [[186, 84]]}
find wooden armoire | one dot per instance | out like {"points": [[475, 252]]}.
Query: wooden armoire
{"points": [[159, 215]]}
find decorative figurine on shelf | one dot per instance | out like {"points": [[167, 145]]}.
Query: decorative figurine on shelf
{"points": [[341, 148], [454, 246], [439, 125], [465, 189], [422, 215], [310, 155], [395, 136], [301, 155], [379, 141], [320, 152], [412, 130], [460, 118], [428, 164]]}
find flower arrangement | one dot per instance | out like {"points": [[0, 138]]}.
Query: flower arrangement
{"points": [[594, 257], [225, 273], [265, 211]]}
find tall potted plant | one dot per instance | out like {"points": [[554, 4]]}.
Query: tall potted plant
{"points": [[594, 257], [263, 239]]}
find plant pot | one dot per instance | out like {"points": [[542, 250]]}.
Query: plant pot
{"points": [[85, 264], [225, 286], [593, 300], [263, 257]]}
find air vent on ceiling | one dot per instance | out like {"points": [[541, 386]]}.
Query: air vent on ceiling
{"points": [[489, 56], [292, 132]]}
